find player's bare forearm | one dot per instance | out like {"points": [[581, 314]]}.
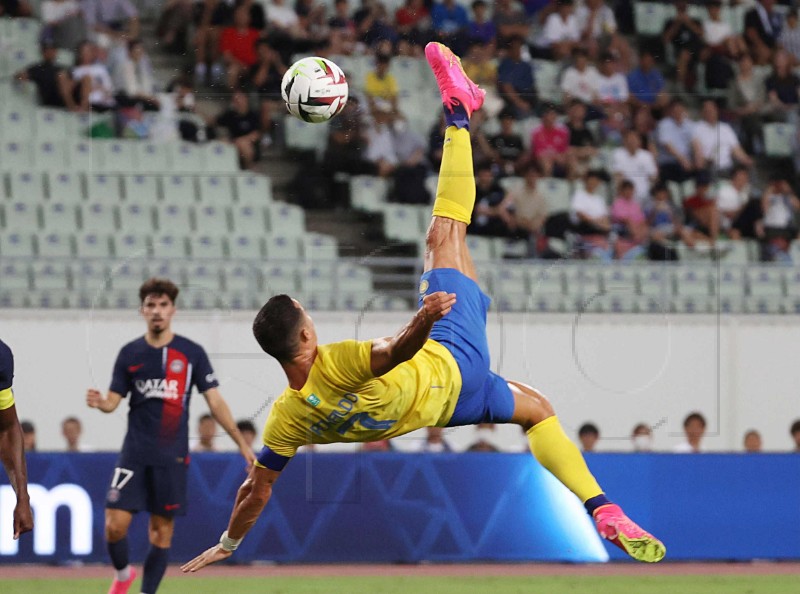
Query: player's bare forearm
{"points": [[388, 353], [94, 399], [12, 451]]}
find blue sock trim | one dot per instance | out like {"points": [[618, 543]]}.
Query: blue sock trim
{"points": [[118, 551], [457, 117], [155, 565], [595, 502]]}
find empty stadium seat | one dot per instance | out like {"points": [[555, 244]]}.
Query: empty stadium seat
{"points": [[368, 193], [655, 282], [117, 156], [65, 187], [136, 218], [401, 222], [152, 157], [58, 216], [90, 277], [185, 158], [650, 18], [94, 244], [582, 282], [220, 157], [253, 189], [620, 279], [127, 276], [280, 247], [510, 280], [207, 247], [141, 189], [14, 276], [131, 245], [21, 216], [49, 156], [691, 281], [50, 275], [17, 124], [51, 124], [101, 187], [778, 140], [98, 216], [168, 269], [728, 282], [317, 247], [174, 218], [286, 219], [317, 279], [169, 245], [211, 220], [557, 193], [179, 189], [215, 189], [279, 278], [766, 283], [240, 278], [545, 280], [245, 247], [26, 186], [301, 136], [545, 73], [15, 156], [480, 248], [203, 276], [15, 244], [81, 155]]}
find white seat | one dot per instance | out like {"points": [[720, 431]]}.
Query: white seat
{"points": [[349, 301], [185, 157], [215, 189], [21, 216], [168, 269], [199, 298], [169, 245], [649, 18], [480, 248], [286, 219], [356, 279], [792, 277], [207, 247], [65, 187], [582, 282], [279, 279], [59, 216], [131, 245], [90, 277], [127, 275], [766, 282], [220, 157], [141, 189], [249, 220], [511, 302], [203, 276], [388, 303], [15, 244], [93, 244], [728, 282], [692, 281], [545, 74], [368, 193], [152, 158], [301, 136], [26, 187], [50, 156], [81, 155], [401, 222], [655, 282], [241, 278], [50, 275], [117, 156], [15, 276], [510, 280], [620, 279], [319, 248], [245, 247], [52, 299], [778, 140], [211, 220], [136, 218], [557, 193], [98, 217], [281, 247], [253, 189], [122, 300], [174, 218], [317, 279], [15, 156], [17, 124], [545, 280], [101, 187], [179, 189], [51, 124]]}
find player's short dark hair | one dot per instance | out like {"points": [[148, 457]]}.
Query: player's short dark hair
{"points": [[71, 420], [158, 287], [625, 184], [695, 416], [276, 327], [246, 425], [476, 4], [795, 428], [205, 417], [640, 427], [27, 427], [588, 429]]}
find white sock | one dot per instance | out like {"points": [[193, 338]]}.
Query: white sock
{"points": [[124, 574]]}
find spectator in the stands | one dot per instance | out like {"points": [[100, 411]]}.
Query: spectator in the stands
{"points": [[783, 89], [135, 78], [632, 162], [591, 218], [629, 222], [71, 430], [410, 169], [492, 214], [380, 145], [752, 442], [15, 9], [54, 85], [646, 83], [237, 47], [598, 27], [174, 22], [582, 142], [435, 443], [413, 20], [112, 22], [481, 67], [612, 86], [374, 27], [343, 27], [560, 34], [62, 21], [88, 66], [674, 140], [380, 84], [282, 17], [588, 435], [265, 79], [666, 225], [529, 206], [685, 34], [508, 150], [436, 143], [509, 19], [718, 34], [702, 214], [211, 17], [642, 438], [28, 436], [747, 96], [347, 142], [789, 39], [515, 80], [243, 127], [737, 211], [645, 125], [581, 80], [450, 22], [694, 428], [485, 440], [779, 227], [481, 28], [794, 431], [716, 146], [206, 433], [248, 431], [550, 144], [762, 26]]}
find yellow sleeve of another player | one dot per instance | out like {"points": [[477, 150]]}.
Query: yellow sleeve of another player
{"points": [[348, 363], [6, 399]]}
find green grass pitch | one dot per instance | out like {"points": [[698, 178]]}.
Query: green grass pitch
{"points": [[734, 584]]}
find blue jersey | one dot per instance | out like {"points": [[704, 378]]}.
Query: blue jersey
{"points": [[6, 376], [159, 382]]}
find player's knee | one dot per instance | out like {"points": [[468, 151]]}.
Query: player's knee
{"points": [[115, 531], [161, 536]]}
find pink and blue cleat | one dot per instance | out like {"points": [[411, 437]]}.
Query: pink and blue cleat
{"points": [[454, 84], [118, 587], [616, 527]]}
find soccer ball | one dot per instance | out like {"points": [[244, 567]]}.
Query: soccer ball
{"points": [[314, 89]]}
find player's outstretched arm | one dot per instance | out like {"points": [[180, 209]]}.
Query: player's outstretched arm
{"points": [[222, 414], [94, 399], [251, 499], [388, 353], [13, 457]]}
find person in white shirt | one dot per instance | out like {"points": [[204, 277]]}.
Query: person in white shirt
{"points": [[580, 81], [101, 96], [715, 143], [598, 28], [135, 77], [591, 218], [781, 209], [694, 427], [632, 162], [612, 86], [281, 16], [719, 36], [738, 213], [789, 39], [560, 33]]}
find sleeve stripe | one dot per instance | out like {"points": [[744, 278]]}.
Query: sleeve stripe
{"points": [[6, 399], [269, 459]]}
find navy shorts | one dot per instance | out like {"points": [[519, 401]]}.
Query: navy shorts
{"points": [[485, 396], [157, 489]]}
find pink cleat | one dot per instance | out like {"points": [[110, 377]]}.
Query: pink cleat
{"points": [[454, 85], [615, 526], [118, 587]]}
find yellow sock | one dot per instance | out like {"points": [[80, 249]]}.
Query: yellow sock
{"points": [[554, 450], [455, 194]]}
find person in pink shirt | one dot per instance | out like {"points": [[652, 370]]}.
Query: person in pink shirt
{"points": [[550, 145], [629, 221]]}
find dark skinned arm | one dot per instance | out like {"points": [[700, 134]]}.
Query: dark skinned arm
{"points": [[13, 457]]}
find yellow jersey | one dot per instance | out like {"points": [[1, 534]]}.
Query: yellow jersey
{"points": [[380, 88], [342, 401]]}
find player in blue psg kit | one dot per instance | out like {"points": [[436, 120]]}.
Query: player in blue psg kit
{"points": [[158, 372], [11, 450]]}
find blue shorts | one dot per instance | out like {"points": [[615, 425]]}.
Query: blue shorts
{"points": [[485, 396], [159, 490]]}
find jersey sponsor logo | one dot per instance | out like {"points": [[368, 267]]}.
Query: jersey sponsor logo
{"points": [[176, 366], [341, 421], [158, 388], [135, 368], [313, 400]]}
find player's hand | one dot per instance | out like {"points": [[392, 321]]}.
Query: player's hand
{"points": [[249, 456], [212, 555], [93, 398], [23, 518], [438, 304]]}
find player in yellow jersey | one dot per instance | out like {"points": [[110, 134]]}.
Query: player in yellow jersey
{"points": [[433, 372]]}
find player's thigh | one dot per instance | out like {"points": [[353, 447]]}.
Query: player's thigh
{"points": [[530, 405], [167, 490], [446, 247]]}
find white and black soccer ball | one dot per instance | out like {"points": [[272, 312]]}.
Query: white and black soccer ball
{"points": [[314, 89]]}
